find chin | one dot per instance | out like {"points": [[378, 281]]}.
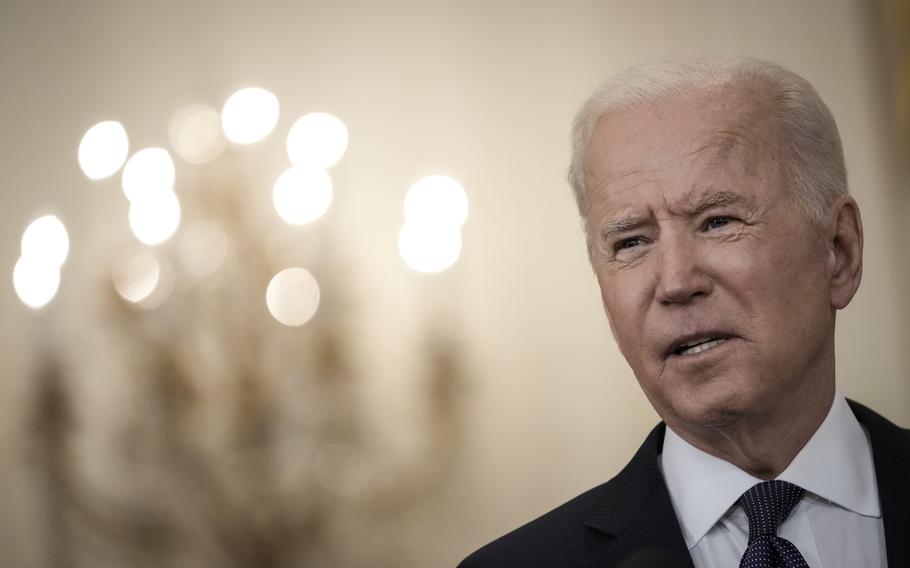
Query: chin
{"points": [[715, 410], [715, 418]]}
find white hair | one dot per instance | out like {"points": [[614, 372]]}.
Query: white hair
{"points": [[812, 149]]}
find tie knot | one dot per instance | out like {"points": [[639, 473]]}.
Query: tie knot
{"points": [[768, 504]]}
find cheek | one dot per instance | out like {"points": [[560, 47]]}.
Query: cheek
{"points": [[741, 266], [621, 296], [764, 270], [625, 303], [794, 282], [775, 286]]}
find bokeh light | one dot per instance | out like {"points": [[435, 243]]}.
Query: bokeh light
{"points": [[249, 115], [292, 296], [36, 282], [302, 195], [45, 241], [136, 274], [155, 218], [148, 172], [103, 149], [317, 140], [428, 247], [195, 134], [436, 199], [202, 248]]}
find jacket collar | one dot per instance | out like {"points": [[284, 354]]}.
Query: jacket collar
{"points": [[634, 508], [891, 455], [703, 487]]}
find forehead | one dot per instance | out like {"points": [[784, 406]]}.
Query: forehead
{"points": [[701, 138]]}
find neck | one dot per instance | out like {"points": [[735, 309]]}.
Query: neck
{"points": [[764, 443]]}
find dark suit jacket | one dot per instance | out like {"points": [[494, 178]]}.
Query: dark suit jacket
{"points": [[632, 512]]}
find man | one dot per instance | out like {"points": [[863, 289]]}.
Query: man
{"points": [[724, 241]]}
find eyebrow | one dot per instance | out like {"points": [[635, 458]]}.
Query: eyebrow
{"points": [[707, 200], [714, 198], [616, 227]]}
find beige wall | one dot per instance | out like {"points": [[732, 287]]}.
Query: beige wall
{"points": [[484, 91]]}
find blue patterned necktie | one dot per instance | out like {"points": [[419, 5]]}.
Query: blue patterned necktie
{"points": [[767, 505]]}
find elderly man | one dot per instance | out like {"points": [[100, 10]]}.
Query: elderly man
{"points": [[724, 241]]}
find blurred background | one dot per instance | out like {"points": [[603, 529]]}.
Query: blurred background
{"points": [[302, 283]]}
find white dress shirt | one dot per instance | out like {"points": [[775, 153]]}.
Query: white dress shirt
{"points": [[838, 522]]}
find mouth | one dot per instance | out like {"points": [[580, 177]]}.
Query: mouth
{"points": [[693, 345]]}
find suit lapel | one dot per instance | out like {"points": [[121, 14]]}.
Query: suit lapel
{"points": [[635, 509], [891, 455]]}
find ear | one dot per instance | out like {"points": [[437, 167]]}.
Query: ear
{"points": [[845, 249]]}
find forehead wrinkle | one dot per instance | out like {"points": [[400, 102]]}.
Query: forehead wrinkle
{"points": [[598, 193], [614, 177], [723, 146], [700, 199], [726, 144]]}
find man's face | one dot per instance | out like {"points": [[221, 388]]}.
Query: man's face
{"points": [[715, 284]]}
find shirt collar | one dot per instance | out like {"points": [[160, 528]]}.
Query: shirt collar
{"points": [[703, 487]]}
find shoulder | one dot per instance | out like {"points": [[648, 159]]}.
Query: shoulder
{"points": [[570, 533], [891, 457], [883, 433], [549, 540]]}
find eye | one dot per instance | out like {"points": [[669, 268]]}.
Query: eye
{"points": [[631, 242], [717, 222]]}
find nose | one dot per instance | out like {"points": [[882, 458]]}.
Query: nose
{"points": [[681, 275]]}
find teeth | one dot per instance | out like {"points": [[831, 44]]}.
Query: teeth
{"points": [[695, 342], [698, 346]]}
